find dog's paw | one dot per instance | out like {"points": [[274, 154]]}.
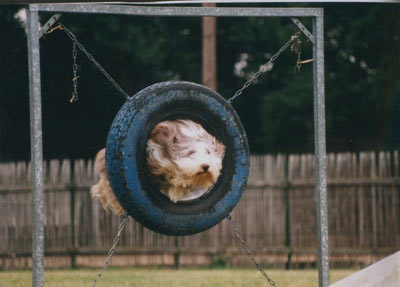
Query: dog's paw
{"points": [[174, 197], [175, 194]]}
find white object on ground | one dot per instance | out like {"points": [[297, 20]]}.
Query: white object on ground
{"points": [[384, 273]]}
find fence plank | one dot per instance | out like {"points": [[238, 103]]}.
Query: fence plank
{"points": [[363, 196]]}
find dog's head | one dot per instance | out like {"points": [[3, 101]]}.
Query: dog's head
{"points": [[184, 154]]}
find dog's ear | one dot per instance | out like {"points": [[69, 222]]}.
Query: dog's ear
{"points": [[165, 134], [219, 148], [160, 147]]}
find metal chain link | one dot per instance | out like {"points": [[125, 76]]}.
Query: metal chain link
{"points": [[249, 252], [73, 38], [265, 67], [296, 48], [74, 97], [112, 249], [294, 41]]}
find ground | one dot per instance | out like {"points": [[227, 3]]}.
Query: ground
{"points": [[133, 277]]}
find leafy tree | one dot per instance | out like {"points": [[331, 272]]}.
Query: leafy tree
{"points": [[14, 100], [362, 62]]}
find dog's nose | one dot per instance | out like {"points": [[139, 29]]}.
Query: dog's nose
{"points": [[205, 167]]}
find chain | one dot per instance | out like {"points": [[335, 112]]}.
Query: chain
{"points": [[265, 67], [74, 97], [249, 253], [73, 38], [112, 249], [294, 42], [296, 48]]}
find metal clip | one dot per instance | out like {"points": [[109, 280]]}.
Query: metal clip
{"points": [[74, 98], [306, 61], [58, 27]]}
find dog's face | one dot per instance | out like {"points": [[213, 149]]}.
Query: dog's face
{"points": [[185, 155]]}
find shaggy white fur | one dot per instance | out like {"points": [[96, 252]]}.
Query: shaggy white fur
{"points": [[185, 155], [182, 155]]}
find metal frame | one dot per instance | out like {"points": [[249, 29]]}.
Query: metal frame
{"points": [[185, 2], [34, 34], [263, 1]]}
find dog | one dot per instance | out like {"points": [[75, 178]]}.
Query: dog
{"points": [[181, 155]]}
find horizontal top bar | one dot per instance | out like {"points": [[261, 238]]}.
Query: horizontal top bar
{"points": [[161, 2], [179, 11], [157, 2]]}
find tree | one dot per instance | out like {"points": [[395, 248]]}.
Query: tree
{"points": [[362, 78]]}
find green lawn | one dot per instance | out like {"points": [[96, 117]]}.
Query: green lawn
{"points": [[169, 278]]}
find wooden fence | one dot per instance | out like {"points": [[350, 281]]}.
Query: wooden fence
{"points": [[276, 216]]}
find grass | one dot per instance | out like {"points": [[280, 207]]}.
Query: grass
{"points": [[132, 277]]}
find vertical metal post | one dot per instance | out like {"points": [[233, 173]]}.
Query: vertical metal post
{"points": [[36, 147], [320, 151]]}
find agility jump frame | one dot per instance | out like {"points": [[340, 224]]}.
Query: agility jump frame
{"points": [[34, 32]]}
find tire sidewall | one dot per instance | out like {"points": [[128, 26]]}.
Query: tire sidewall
{"points": [[126, 164]]}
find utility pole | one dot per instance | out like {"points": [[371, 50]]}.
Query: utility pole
{"points": [[210, 50]]}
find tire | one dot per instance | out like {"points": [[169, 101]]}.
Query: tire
{"points": [[126, 157]]}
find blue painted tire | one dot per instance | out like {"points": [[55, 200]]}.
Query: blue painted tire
{"points": [[126, 157]]}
